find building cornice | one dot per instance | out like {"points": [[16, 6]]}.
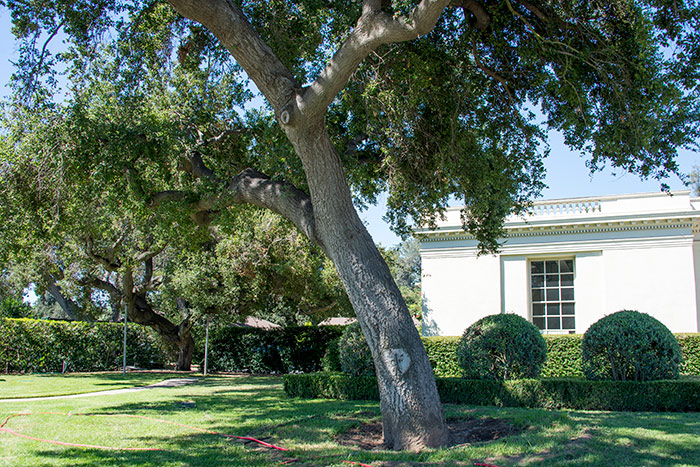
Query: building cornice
{"points": [[549, 228]]}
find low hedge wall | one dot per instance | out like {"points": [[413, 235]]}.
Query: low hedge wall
{"points": [[281, 350], [550, 393], [563, 355], [42, 346]]}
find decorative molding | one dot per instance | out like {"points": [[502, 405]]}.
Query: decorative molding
{"points": [[584, 228]]}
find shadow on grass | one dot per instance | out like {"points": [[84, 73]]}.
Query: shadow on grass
{"points": [[257, 407]]}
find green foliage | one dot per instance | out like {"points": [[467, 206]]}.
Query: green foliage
{"points": [[563, 356], [13, 308], [331, 359], [500, 347], [354, 353], [329, 385], [171, 81], [442, 353], [553, 393], [282, 350], [628, 345], [690, 347], [38, 346]]}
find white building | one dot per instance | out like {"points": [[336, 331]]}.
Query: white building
{"points": [[569, 263]]}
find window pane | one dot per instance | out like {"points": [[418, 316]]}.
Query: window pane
{"points": [[537, 267], [552, 309], [537, 309], [552, 295], [552, 266], [539, 322], [567, 280], [567, 308], [553, 323], [566, 265], [552, 280], [537, 281], [568, 323], [567, 293], [537, 295]]}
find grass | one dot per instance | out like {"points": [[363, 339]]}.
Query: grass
{"points": [[39, 385], [257, 407]]}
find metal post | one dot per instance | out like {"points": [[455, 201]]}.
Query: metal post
{"points": [[124, 350], [206, 348]]}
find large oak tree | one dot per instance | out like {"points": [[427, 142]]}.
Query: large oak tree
{"points": [[428, 99]]}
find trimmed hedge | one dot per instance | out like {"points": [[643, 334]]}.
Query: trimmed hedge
{"points": [[42, 346], [281, 350], [690, 347], [563, 355], [550, 393], [442, 353]]}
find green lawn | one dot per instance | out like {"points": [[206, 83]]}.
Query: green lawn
{"points": [[257, 407], [39, 385]]}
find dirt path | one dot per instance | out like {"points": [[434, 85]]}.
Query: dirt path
{"points": [[168, 383]]}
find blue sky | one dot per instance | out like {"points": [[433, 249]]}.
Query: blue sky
{"points": [[567, 174]]}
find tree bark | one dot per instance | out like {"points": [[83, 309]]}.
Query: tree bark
{"points": [[180, 337], [412, 416], [66, 304]]}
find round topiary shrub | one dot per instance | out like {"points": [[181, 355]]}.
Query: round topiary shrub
{"points": [[629, 345], [500, 347], [355, 357]]}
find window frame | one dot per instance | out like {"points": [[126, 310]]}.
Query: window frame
{"points": [[545, 301]]}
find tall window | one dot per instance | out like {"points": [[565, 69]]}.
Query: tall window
{"points": [[552, 295]]}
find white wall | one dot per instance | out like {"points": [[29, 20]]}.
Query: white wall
{"points": [[652, 271], [458, 289]]}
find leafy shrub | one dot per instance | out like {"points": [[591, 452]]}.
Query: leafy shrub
{"points": [[355, 356], [628, 345], [331, 359], [13, 308], [442, 353], [563, 356], [690, 347], [43, 346], [282, 350], [500, 347], [550, 393]]}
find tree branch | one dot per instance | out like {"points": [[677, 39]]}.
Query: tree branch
{"points": [[231, 27], [483, 18], [102, 284], [160, 197], [253, 187], [373, 29], [108, 263]]}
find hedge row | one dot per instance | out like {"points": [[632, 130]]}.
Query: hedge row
{"points": [[281, 350], [563, 355], [42, 346], [552, 393]]}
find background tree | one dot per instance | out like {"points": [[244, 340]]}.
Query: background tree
{"points": [[428, 99]]}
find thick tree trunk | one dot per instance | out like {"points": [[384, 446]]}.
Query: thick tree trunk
{"points": [[412, 415], [179, 337]]}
